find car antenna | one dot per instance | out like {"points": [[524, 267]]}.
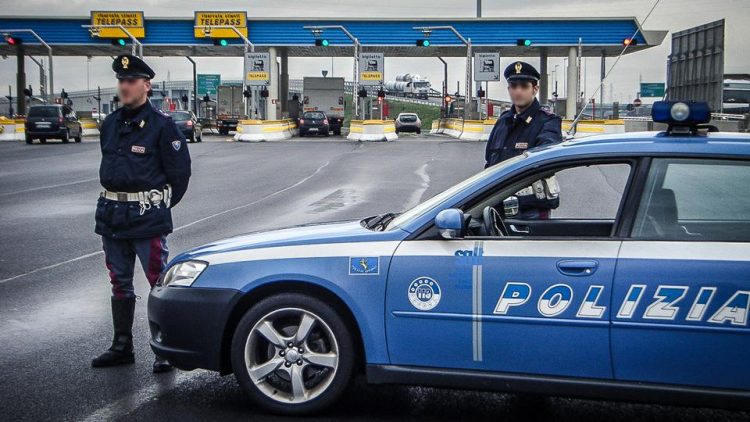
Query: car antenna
{"points": [[574, 125]]}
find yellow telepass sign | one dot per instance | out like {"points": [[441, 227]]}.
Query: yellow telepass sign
{"points": [[131, 21], [212, 19], [371, 76]]}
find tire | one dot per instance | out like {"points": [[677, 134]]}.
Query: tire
{"points": [[66, 137], [191, 138], [42, 140], [29, 140], [419, 131], [277, 365]]}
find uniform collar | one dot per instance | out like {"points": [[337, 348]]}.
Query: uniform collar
{"points": [[136, 116], [528, 113]]}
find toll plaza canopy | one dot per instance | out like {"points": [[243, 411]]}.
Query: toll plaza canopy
{"points": [[394, 37]]}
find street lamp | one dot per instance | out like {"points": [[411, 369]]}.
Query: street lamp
{"points": [[247, 44], [317, 31], [95, 31], [427, 31], [7, 32]]}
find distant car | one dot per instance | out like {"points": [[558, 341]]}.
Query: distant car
{"points": [[188, 124], [408, 122], [52, 121], [314, 123], [635, 288]]}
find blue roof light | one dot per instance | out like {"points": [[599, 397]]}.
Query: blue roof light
{"points": [[681, 113]]}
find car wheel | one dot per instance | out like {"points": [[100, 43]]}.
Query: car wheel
{"points": [[42, 140], [191, 138], [292, 354], [66, 137], [419, 131], [29, 140]]}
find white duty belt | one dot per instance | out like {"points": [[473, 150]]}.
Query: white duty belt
{"points": [[145, 199]]}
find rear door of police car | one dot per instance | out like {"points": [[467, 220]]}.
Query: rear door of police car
{"points": [[682, 285]]}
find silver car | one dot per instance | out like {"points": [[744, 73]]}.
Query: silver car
{"points": [[408, 122]]}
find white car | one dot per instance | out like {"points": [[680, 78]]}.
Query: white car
{"points": [[408, 122]]}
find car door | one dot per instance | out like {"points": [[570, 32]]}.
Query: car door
{"points": [[682, 289], [519, 303]]}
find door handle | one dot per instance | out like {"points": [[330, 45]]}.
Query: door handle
{"points": [[519, 229], [577, 268]]}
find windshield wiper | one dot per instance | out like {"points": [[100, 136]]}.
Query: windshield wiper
{"points": [[380, 221]]}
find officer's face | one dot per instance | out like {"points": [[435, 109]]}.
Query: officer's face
{"points": [[133, 91], [522, 93]]}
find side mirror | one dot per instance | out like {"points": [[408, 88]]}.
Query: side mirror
{"points": [[450, 224], [510, 206]]}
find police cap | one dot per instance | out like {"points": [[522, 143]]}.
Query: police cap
{"points": [[521, 71], [127, 66]]}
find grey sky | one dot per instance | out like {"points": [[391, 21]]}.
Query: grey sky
{"points": [[671, 15]]}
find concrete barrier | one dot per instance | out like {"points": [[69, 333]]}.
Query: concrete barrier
{"points": [[595, 127], [453, 127], [264, 130], [472, 130], [12, 129], [90, 127], [435, 126], [372, 130]]}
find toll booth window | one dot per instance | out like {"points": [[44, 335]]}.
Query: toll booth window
{"points": [[695, 200]]}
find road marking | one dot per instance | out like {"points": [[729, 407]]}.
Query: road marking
{"points": [[49, 186], [200, 220]]}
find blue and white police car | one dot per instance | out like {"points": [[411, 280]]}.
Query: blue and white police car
{"points": [[636, 287]]}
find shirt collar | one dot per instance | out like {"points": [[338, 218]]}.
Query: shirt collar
{"points": [[531, 111]]}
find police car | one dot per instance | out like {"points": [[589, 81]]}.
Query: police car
{"points": [[635, 288]]}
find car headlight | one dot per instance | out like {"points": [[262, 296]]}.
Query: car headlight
{"points": [[184, 273]]}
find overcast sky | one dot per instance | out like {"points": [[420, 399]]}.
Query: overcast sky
{"points": [[671, 15]]}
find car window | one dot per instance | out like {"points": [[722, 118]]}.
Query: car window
{"points": [[180, 117], [408, 118], [695, 199], [314, 115], [44, 112]]}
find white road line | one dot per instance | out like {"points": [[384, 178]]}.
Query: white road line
{"points": [[88, 255], [49, 186]]}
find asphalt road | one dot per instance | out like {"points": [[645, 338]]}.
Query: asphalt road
{"points": [[54, 289]]}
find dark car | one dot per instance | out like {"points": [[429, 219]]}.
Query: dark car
{"points": [[314, 123], [188, 124], [52, 121]]}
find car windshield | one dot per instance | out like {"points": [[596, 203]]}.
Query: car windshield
{"points": [[438, 199], [180, 116], [408, 118], [317, 115], [44, 112]]}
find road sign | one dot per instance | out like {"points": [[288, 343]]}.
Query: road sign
{"points": [[131, 21], [487, 66], [371, 68], [652, 89], [258, 68], [637, 102], [204, 19], [208, 84]]}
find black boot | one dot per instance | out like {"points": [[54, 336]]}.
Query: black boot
{"points": [[121, 351], [161, 365]]}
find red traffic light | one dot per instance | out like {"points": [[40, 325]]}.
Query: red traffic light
{"points": [[629, 41], [448, 98], [11, 40]]}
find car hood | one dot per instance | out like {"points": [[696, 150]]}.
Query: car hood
{"points": [[309, 234]]}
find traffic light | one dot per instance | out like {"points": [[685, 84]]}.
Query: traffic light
{"points": [[523, 42], [629, 42], [448, 99], [480, 93], [423, 43], [206, 98], [381, 93], [264, 93], [27, 92], [362, 93], [221, 42], [184, 99], [11, 40], [322, 42], [246, 93], [63, 94], [120, 42]]}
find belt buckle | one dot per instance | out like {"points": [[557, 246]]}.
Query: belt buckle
{"points": [[122, 196], [155, 196]]}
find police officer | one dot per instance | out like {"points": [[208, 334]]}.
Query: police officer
{"points": [[144, 170], [525, 125]]}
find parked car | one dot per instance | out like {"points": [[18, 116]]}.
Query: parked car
{"points": [[188, 125], [313, 123], [52, 121], [408, 122]]}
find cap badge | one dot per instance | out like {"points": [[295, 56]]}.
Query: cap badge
{"points": [[125, 61], [519, 66]]}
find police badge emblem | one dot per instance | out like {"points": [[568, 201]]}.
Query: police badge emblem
{"points": [[424, 293], [125, 61], [176, 144]]}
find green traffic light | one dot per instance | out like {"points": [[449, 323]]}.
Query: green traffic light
{"points": [[325, 43], [527, 43], [425, 43], [223, 43], [121, 41]]}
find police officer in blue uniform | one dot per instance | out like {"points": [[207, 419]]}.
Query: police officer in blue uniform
{"points": [[525, 125], [144, 170]]}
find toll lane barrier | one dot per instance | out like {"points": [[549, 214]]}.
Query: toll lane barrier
{"points": [[372, 130], [265, 130], [595, 127], [469, 130], [12, 129], [90, 127]]}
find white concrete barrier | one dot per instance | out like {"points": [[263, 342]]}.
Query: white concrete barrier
{"points": [[472, 130], [264, 130], [12, 129], [595, 127], [453, 127], [435, 126], [372, 130], [90, 127]]}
